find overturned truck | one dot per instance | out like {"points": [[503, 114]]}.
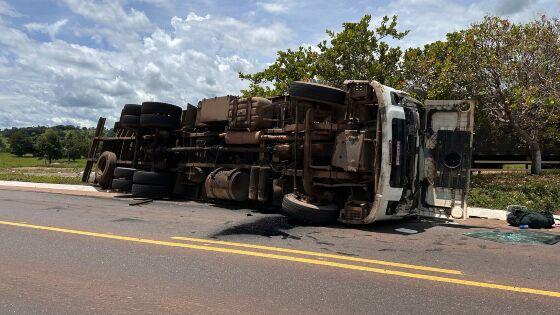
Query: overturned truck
{"points": [[358, 155]]}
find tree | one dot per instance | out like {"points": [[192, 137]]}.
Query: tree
{"points": [[357, 52], [431, 72], [20, 143], [290, 65], [2, 144], [49, 146], [76, 144], [513, 70], [360, 52]]}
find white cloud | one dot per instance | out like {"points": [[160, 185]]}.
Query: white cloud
{"points": [[431, 20], [110, 13], [113, 24], [276, 6], [60, 82], [7, 10], [513, 6], [49, 29], [124, 57]]}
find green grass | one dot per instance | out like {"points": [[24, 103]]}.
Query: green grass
{"points": [[497, 191], [8, 160], [32, 169], [50, 179]]}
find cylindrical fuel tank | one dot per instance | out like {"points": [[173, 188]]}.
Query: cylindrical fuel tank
{"points": [[227, 184], [242, 137]]}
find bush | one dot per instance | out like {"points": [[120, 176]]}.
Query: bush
{"points": [[497, 191]]}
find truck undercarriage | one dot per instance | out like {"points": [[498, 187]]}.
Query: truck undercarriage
{"points": [[359, 155]]}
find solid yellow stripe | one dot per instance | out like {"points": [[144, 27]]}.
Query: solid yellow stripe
{"points": [[290, 258], [317, 254]]}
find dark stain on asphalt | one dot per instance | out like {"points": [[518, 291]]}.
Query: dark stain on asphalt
{"points": [[267, 226], [128, 220], [434, 249]]}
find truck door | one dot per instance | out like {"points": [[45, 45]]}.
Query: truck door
{"points": [[445, 158]]}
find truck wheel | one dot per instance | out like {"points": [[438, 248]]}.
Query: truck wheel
{"points": [[162, 109], [160, 121], [311, 213], [121, 184], [124, 173], [150, 191], [153, 178], [129, 121], [317, 92], [132, 109], [105, 168]]}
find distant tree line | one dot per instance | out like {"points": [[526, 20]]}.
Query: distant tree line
{"points": [[49, 143], [511, 69]]}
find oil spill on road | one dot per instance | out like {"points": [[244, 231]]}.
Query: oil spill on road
{"points": [[265, 226]]}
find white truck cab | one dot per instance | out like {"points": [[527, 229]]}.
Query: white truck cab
{"points": [[425, 157]]}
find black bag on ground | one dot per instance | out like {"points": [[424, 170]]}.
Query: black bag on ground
{"points": [[535, 220]]}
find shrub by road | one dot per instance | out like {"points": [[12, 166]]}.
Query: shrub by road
{"points": [[497, 191]]}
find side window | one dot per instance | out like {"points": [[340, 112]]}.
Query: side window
{"points": [[398, 153]]}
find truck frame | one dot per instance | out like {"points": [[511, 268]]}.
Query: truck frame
{"points": [[358, 155]]}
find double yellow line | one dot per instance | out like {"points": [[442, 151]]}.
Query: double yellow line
{"points": [[313, 261]]}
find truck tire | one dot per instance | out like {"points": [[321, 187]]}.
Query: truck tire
{"points": [[160, 121], [153, 178], [132, 109], [105, 168], [121, 184], [317, 92], [162, 109], [150, 191], [129, 121], [124, 173], [310, 213]]}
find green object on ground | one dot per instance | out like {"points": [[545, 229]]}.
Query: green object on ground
{"points": [[524, 237]]}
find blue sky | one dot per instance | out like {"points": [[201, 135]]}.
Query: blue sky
{"points": [[71, 61]]}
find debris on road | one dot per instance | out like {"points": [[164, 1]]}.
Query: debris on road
{"points": [[525, 218], [406, 231], [142, 201], [522, 236]]}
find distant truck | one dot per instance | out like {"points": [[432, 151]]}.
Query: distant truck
{"points": [[359, 155]]}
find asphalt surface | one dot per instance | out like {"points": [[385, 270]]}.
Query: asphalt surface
{"points": [[62, 254]]}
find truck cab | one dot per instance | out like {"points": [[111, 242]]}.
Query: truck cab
{"points": [[425, 157]]}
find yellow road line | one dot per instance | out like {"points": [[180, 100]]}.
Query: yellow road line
{"points": [[291, 258], [317, 254]]}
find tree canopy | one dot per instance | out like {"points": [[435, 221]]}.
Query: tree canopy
{"points": [[359, 51], [49, 146], [513, 70]]}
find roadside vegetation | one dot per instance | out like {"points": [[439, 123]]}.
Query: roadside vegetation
{"points": [[43, 154], [36, 170], [497, 191]]}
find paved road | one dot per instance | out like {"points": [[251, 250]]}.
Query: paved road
{"points": [[68, 254]]}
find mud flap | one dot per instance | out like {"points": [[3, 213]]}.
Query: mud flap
{"points": [[445, 158]]}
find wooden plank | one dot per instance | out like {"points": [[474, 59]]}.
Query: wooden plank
{"points": [[93, 148]]}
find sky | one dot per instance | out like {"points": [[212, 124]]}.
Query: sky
{"points": [[71, 61]]}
